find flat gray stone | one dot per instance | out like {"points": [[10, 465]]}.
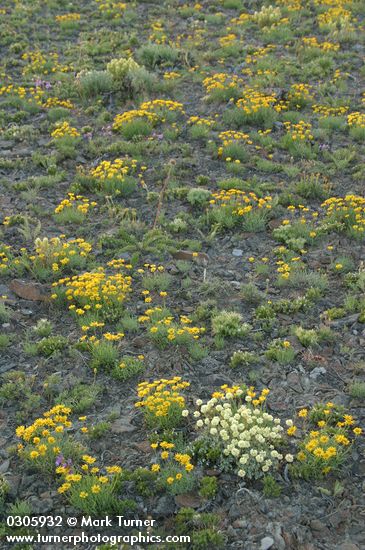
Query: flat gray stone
{"points": [[266, 543]]}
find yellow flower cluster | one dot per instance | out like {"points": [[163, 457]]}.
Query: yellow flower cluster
{"points": [[13, 90], [56, 102], [175, 332], [227, 40], [95, 291], [230, 136], [5, 256], [113, 337], [240, 201], [88, 480], [43, 438], [37, 63], [299, 92], [334, 17], [78, 202], [117, 169], [312, 42], [161, 396], [259, 53], [153, 268], [158, 35], [161, 105], [57, 252], [76, 478], [48, 445], [349, 210], [111, 8], [300, 131], [183, 459], [284, 269], [92, 325], [222, 81], [35, 93], [171, 75], [332, 2], [55, 418], [326, 111], [173, 473], [290, 5], [130, 116], [356, 119], [64, 129], [253, 101], [199, 121], [323, 448], [148, 313], [68, 17], [242, 19]]}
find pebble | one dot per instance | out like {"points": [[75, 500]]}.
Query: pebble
{"points": [[316, 372], [121, 426], [240, 524], [236, 285], [348, 546], [234, 513], [4, 467], [164, 507], [26, 312], [266, 543], [317, 525], [237, 252], [41, 506]]}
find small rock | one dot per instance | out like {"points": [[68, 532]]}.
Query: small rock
{"points": [[294, 382], [237, 252], [316, 372], [240, 524], [266, 543], [140, 342], [348, 546], [273, 224], [29, 291], [231, 533], [277, 401], [26, 312], [212, 473], [165, 506], [40, 506], [4, 467], [186, 255], [236, 285], [234, 513], [188, 500], [14, 483], [143, 446], [317, 525], [121, 426]]}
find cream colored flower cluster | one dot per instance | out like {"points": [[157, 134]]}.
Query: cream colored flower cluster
{"points": [[247, 435]]}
